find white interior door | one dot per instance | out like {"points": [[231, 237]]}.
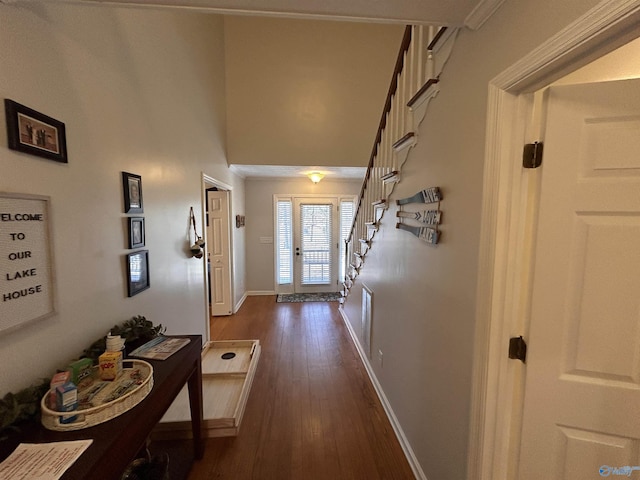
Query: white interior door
{"points": [[219, 251], [315, 241], [582, 393]]}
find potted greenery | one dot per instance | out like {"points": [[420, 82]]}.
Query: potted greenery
{"points": [[136, 332]]}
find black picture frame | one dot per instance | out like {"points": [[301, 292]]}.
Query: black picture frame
{"points": [[137, 272], [132, 189], [32, 132], [136, 232]]}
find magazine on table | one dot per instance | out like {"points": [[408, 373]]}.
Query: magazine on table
{"points": [[160, 348]]}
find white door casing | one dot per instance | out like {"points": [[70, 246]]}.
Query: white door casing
{"points": [[583, 374], [218, 249], [506, 219]]}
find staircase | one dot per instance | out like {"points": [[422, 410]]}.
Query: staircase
{"points": [[423, 54]]}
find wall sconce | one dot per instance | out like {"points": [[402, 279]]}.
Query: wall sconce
{"points": [[315, 177], [197, 248]]}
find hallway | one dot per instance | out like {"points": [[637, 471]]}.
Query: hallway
{"points": [[312, 413]]}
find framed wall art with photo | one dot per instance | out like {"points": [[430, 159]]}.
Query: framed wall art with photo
{"points": [[132, 188], [137, 272], [136, 232], [32, 132]]}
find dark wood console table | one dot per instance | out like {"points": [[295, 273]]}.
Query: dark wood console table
{"points": [[117, 441]]}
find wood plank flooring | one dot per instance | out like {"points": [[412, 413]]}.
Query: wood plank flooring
{"points": [[312, 413]]}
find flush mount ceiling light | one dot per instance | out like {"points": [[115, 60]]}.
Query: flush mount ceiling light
{"points": [[315, 177]]}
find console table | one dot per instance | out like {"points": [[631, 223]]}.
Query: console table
{"points": [[117, 442]]}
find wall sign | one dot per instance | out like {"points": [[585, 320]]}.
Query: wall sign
{"points": [[26, 263], [428, 234]]}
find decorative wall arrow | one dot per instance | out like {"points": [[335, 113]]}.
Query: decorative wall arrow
{"points": [[428, 195], [427, 234], [428, 217]]}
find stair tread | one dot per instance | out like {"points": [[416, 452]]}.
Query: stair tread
{"points": [[424, 88]]}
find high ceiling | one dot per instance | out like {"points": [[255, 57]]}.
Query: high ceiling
{"points": [[462, 13], [470, 13]]}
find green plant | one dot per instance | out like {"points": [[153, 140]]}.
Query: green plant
{"points": [[136, 330], [23, 405]]}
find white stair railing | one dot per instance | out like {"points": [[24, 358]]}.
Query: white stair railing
{"points": [[423, 54]]}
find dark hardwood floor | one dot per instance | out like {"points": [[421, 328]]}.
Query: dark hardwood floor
{"points": [[312, 412]]}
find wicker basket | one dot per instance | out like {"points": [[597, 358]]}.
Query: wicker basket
{"points": [[104, 410]]}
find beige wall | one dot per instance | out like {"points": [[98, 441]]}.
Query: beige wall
{"points": [[304, 92], [424, 298], [259, 201], [144, 91], [140, 91]]}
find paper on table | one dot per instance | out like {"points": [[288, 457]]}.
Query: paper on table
{"points": [[41, 461]]}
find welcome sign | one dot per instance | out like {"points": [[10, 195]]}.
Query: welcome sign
{"points": [[26, 266]]}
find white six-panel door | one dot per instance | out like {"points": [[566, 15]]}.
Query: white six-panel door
{"points": [[582, 399], [219, 253]]}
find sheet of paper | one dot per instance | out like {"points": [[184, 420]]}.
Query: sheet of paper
{"points": [[41, 461]]}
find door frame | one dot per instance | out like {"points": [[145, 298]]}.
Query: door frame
{"points": [[278, 289], [508, 225], [299, 200], [206, 183]]}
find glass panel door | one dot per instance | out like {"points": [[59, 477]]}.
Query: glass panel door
{"points": [[316, 245]]}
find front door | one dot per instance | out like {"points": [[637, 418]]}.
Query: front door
{"points": [[582, 394], [315, 241]]}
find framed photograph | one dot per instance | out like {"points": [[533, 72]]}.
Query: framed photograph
{"points": [[132, 187], [137, 272], [33, 132], [136, 232]]}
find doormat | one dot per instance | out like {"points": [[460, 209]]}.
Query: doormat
{"points": [[308, 297]]}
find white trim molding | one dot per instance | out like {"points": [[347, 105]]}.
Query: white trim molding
{"points": [[207, 181], [607, 26], [494, 438], [240, 302], [481, 13], [255, 293]]}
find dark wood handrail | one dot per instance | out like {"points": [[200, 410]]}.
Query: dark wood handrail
{"points": [[437, 38], [404, 46]]}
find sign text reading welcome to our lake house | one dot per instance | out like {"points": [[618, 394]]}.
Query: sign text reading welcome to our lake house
{"points": [[26, 267]]}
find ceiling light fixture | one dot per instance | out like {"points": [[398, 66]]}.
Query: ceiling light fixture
{"points": [[315, 177]]}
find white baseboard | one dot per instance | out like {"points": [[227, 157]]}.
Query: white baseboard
{"points": [[253, 293], [404, 443], [240, 302]]}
